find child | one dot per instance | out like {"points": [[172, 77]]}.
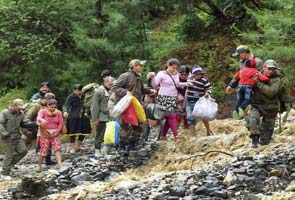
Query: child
{"points": [[200, 87], [246, 85]]}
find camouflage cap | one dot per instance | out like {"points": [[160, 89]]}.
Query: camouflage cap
{"points": [[49, 95], [18, 102], [241, 49], [136, 62], [271, 64]]}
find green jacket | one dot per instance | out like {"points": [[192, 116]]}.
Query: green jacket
{"points": [[99, 105], [11, 122], [266, 95], [129, 81], [32, 112]]}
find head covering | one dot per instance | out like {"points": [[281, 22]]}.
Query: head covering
{"points": [[271, 64], [197, 70], [18, 102], [241, 49], [134, 62], [49, 95]]}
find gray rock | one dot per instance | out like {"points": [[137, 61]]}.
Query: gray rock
{"points": [[79, 179], [177, 191], [292, 176]]}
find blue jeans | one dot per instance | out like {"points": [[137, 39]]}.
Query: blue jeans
{"points": [[244, 94], [191, 120]]}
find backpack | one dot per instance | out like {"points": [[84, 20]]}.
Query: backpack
{"points": [[88, 92], [27, 106]]}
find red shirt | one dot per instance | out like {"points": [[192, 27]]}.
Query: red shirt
{"points": [[245, 76], [248, 71]]}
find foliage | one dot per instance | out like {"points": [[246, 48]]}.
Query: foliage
{"points": [[7, 99], [274, 38], [66, 42], [192, 27]]}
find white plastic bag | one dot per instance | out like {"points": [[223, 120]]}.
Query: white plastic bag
{"points": [[205, 108], [121, 106]]}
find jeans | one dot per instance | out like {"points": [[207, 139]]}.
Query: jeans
{"points": [[244, 94], [189, 110]]}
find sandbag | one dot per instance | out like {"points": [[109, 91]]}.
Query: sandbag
{"points": [[154, 111], [129, 116], [121, 106], [205, 108], [112, 133], [138, 108]]}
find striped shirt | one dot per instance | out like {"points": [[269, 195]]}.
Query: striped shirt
{"points": [[198, 89]]}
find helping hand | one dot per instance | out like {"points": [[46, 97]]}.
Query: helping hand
{"points": [[129, 93], [66, 114], [150, 75], [229, 90]]}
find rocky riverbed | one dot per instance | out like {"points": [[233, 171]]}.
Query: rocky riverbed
{"points": [[222, 166]]}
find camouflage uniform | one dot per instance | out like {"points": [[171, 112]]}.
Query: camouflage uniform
{"points": [[264, 108], [13, 146], [100, 112], [129, 81]]}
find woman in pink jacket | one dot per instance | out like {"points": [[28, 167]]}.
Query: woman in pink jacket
{"points": [[168, 82], [50, 125]]}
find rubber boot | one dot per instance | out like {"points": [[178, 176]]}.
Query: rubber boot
{"points": [[146, 133], [255, 140]]}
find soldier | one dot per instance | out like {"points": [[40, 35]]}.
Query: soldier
{"points": [[130, 83], [11, 120], [264, 104], [99, 111]]}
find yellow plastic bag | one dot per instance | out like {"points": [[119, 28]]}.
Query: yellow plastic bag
{"points": [[112, 133], [138, 108]]}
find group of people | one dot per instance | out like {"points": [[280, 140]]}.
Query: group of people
{"points": [[260, 94], [177, 88]]}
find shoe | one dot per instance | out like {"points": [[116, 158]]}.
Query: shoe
{"points": [[5, 177], [97, 153], [163, 138], [255, 140], [50, 162], [264, 141], [235, 115], [209, 133], [241, 113]]}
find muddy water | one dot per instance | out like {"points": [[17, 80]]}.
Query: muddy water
{"points": [[229, 136]]}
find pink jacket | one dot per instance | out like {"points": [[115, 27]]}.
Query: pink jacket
{"points": [[166, 84], [53, 122]]}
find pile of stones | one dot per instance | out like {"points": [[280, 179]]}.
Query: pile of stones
{"points": [[79, 169], [245, 178]]}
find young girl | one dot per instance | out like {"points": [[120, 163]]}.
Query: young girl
{"points": [[200, 87]]}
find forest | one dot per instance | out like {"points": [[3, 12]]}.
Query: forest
{"points": [[71, 41], [66, 42]]}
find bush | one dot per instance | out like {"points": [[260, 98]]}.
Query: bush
{"points": [[191, 27]]}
